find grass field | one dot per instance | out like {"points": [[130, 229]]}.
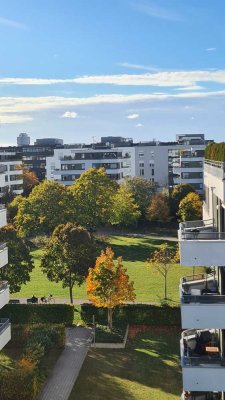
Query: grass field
{"points": [[147, 369], [149, 285]]}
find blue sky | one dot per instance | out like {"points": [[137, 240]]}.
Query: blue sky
{"points": [[82, 69]]}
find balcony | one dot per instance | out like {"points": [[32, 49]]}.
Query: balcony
{"points": [[3, 254], [201, 395], [4, 294], [200, 244], [5, 332], [202, 306], [203, 365]]}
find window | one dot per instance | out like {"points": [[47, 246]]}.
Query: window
{"points": [[141, 154], [141, 164], [142, 172], [153, 171]]}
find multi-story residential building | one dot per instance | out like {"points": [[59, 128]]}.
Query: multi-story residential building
{"points": [[5, 328], [11, 165], [153, 160], [202, 243], [23, 139]]}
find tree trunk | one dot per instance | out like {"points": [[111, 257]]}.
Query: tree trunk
{"points": [[165, 288], [110, 313], [71, 294]]}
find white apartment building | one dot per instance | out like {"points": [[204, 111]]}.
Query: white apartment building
{"points": [[5, 327], [202, 296], [11, 176], [153, 161]]}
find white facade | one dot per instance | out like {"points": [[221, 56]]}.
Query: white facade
{"points": [[202, 243], [11, 176], [147, 160]]}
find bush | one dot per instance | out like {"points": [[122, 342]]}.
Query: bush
{"points": [[215, 152], [104, 335], [22, 334], [38, 313], [21, 381], [134, 314]]}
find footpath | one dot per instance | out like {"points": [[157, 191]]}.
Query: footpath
{"points": [[63, 376]]}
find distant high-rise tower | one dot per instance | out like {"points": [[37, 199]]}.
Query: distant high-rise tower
{"points": [[23, 139]]}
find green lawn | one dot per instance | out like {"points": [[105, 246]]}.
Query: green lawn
{"points": [[147, 369], [149, 285]]}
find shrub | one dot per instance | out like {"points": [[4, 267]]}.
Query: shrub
{"points": [[136, 314], [104, 335], [38, 313], [215, 152], [22, 381]]}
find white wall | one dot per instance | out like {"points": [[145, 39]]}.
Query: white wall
{"points": [[205, 378], [202, 316]]}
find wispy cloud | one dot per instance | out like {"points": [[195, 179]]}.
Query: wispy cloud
{"points": [[14, 119], [139, 125], [174, 79], [133, 116], [70, 114], [211, 49], [150, 68], [155, 11], [190, 88], [12, 24]]}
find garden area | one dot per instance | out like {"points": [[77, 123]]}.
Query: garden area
{"points": [[135, 250], [147, 369]]}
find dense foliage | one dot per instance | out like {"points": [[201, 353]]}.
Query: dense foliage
{"points": [[158, 209], [38, 313], [215, 152], [20, 264], [190, 208], [178, 193], [69, 253], [124, 211], [135, 314], [142, 191], [108, 283]]}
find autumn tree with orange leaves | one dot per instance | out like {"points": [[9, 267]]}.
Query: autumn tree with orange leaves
{"points": [[108, 283]]}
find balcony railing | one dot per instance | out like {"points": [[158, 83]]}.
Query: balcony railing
{"points": [[4, 324], [201, 396], [3, 285], [200, 288], [200, 230], [195, 345], [3, 246]]}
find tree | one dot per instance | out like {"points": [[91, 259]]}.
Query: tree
{"points": [[178, 193], [20, 264], [12, 208], [108, 283], [93, 193], [68, 255], [48, 205], [30, 180], [124, 210], [190, 208], [158, 209], [162, 261], [142, 191]]}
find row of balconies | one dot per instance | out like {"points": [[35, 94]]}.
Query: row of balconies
{"points": [[202, 311]]}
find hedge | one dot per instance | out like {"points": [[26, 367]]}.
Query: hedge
{"points": [[136, 314], [215, 152], [38, 313]]}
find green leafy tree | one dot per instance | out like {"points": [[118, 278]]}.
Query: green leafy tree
{"points": [[108, 284], [142, 191], [124, 211], [48, 205], [158, 209], [17, 271], [162, 261], [190, 208], [93, 193], [68, 255], [12, 208], [178, 193]]}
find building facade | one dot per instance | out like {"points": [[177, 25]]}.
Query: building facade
{"points": [[12, 176], [154, 161], [202, 243], [23, 139], [5, 327]]}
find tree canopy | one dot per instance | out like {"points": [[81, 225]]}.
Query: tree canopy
{"points": [[20, 264], [178, 193], [48, 205], [93, 195], [124, 211], [108, 283], [68, 255], [142, 191], [30, 180], [190, 208], [158, 209]]}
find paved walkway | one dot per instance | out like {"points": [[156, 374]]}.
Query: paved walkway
{"points": [[67, 368]]}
